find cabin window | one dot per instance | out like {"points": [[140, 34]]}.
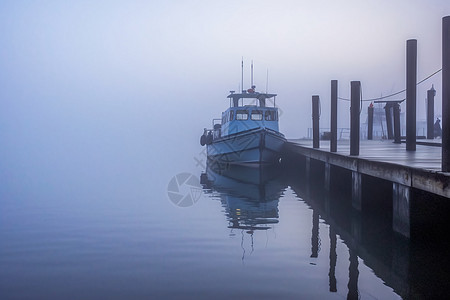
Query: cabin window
{"points": [[241, 115], [232, 115], [271, 115], [257, 115]]}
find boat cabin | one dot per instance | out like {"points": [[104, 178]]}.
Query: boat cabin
{"points": [[248, 111]]}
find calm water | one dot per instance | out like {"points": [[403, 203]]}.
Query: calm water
{"points": [[116, 229]]}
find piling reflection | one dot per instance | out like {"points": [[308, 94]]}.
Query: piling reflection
{"points": [[333, 260], [412, 270], [353, 274], [315, 238]]}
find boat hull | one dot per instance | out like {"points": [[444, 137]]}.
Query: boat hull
{"points": [[256, 146]]}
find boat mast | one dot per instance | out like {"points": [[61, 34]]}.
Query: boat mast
{"points": [[252, 76], [242, 76]]}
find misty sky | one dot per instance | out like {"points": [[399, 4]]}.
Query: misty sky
{"points": [[105, 74]]}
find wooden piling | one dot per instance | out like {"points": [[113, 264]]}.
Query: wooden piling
{"points": [[333, 125], [446, 94], [315, 119], [355, 98], [430, 113], [411, 80], [370, 122], [397, 133], [389, 126]]}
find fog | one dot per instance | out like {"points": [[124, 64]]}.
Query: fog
{"points": [[84, 84]]}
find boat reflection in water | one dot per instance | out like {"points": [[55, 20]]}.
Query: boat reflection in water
{"points": [[333, 250], [249, 194]]}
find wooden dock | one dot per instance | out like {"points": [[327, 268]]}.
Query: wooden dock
{"points": [[408, 171], [417, 175]]}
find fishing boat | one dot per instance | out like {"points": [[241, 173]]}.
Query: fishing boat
{"points": [[248, 131]]}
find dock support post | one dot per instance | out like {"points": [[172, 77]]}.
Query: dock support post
{"points": [[327, 204], [411, 80], [401, 209], [315, 119], [327, 185], [327, 177], [307, 168], [356, 190], [388, 112], [370, 122], [446, 94], [356, 225], [333, 125], [401, 255], [397, 134], [355, 97], [430, 112], [307, 177]]}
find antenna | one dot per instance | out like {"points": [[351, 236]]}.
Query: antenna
{"points": [[252, 75], [242, 74], [267, 81]]}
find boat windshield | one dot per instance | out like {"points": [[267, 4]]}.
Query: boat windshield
{"points": [[257, 115], [241, 115]]}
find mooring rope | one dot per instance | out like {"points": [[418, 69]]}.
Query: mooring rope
{"points": [[396, 93]]}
